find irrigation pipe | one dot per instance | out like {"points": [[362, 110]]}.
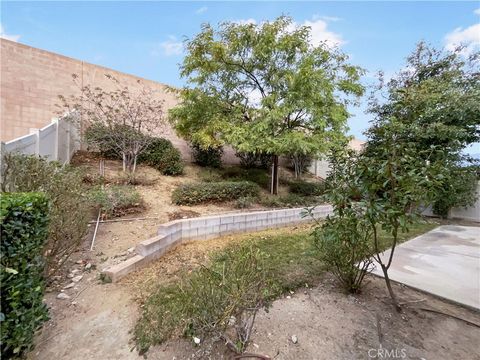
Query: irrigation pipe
{"points": [[96, 228]]}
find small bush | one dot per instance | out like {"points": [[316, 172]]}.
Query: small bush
{"points": [[343, 244], [300, 163], [258, 176], [254, 160], [236, 173], [96, 136], [24, 229], [247, 159], [69, 208], [209, 157], [212, 301], [116, 200], [163, 156], [244, 202], [196, 193], [305, 188], [210, 175]]}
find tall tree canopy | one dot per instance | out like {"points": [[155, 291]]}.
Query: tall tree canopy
{"points": [[437, 94], [265, 88], [436, 98]]}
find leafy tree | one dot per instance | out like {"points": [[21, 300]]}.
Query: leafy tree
{"points": [[122, 120], [458, 189], [264, 89], [394, 178], [437, 98], [379, 189], [344, 240]]}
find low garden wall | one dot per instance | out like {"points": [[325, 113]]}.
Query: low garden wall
{"points": [[176, 232]]}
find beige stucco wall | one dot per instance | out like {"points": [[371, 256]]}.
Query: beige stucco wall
{"points": [[31, 80]]}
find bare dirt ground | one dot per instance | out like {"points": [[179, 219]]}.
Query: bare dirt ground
{"points": [[95, 322], [328, 324]]}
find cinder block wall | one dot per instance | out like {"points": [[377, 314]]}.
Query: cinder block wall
{"points": [[31, 80], [175, 232]]}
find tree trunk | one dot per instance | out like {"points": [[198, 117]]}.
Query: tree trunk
{"points": [[389, 287], [134, 163], [296, 165], [274, 184]]}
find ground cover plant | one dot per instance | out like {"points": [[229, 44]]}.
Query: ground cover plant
{"points": [[288, 261]]}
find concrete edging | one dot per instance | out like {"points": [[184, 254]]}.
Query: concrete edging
{"points": [[176, 232]]}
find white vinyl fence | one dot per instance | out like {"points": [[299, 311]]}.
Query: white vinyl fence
{"points": [[57, 141]]}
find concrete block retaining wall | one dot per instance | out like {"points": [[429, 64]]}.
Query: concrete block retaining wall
{"points": [[175, 232]]}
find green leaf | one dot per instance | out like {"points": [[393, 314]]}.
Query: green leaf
{"points": [[11, 271]]}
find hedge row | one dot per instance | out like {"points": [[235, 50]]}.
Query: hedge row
{"points": [[24, 224], [196, 193]]}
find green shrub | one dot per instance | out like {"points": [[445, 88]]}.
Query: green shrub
{"points": [[163, 156], [196, 193], [254, 160], [218, 300], [343, 244], [306, 188], [207, 157], [116, 200], [300, 163], [96, 135], [69, 208], [247, 159], [235, 173], [244, 202], [289, 200], [458, 190], [210, 175], [24, 229]]}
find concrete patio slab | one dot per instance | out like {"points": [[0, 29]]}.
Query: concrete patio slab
{"points": [[443, 262]]}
